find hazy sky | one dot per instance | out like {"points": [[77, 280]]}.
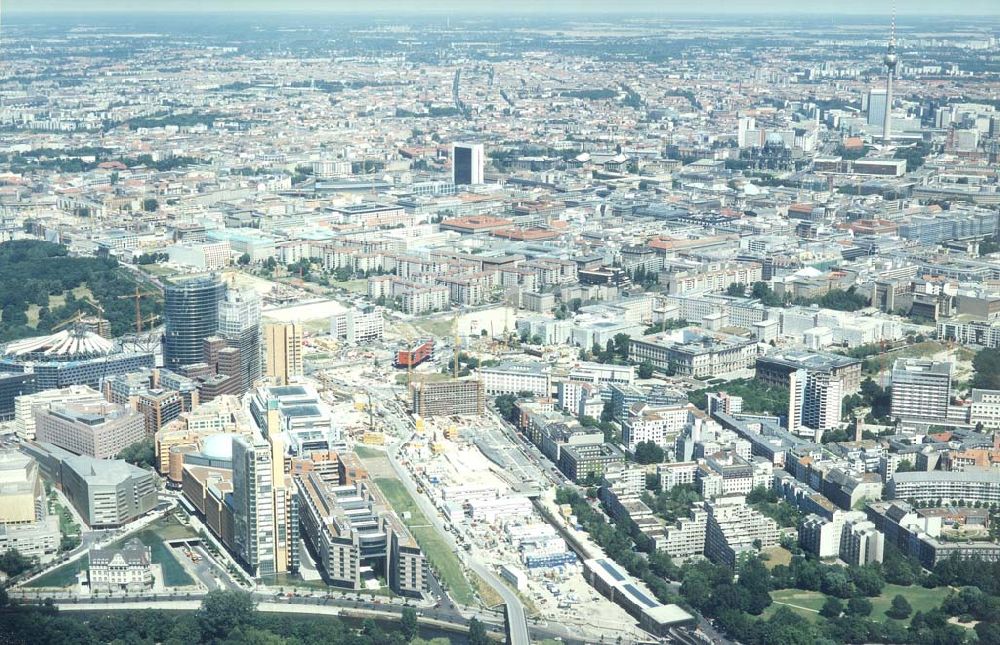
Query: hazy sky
{"points": [[964, 7]]}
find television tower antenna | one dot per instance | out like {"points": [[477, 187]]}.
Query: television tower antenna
{"points": [[890, 60]]}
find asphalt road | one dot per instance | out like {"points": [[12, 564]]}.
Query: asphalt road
{"points": [[516, 618]]}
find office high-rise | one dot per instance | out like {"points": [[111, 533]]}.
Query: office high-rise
{"points": [[265, 517], [468, 160], [239, 325], [921, 390], [283, 351], [253, 504], [191, 313], [814, 402], [876, 106]]}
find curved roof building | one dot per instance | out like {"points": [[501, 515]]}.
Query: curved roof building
{"points": [[73, 356]]}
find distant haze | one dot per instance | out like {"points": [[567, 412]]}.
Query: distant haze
{"points": [[882, 7]]}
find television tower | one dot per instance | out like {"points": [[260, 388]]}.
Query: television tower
{"points": [[890, 61]]}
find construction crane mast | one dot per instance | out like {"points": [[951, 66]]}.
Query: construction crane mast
{"points": [[137, 296]]}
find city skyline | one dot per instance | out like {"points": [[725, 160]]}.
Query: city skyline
{"points": [[515, 7]]}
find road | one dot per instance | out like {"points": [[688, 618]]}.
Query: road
{"points": [[516, 619]]}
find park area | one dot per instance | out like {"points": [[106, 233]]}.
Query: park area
{"points": [[153, 536], [809, 603]]}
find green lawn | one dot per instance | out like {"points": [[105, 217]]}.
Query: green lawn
{"points": [[433, 545], [920, 598], [158, 270], [353, 286], [62, 577], [801, 602]]}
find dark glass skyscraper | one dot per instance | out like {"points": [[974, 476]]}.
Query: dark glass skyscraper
{"points": [[191, 313], [467, 160]]}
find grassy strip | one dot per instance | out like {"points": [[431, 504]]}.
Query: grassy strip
{"points": [[433, 545]]}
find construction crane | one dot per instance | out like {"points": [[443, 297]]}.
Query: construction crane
{"points": [[137, 296], [75, 318]]}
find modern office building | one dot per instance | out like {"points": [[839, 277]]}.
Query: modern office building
{"points": [[25, 524], [191, 314], [22, 495], [239, 325], [107, 493], [283, 351], [877, 106], [12, 386], [24, 406], [299, 414], [352, 527], [468, 161], [253, 504], [814, 402], [447, 398], [579, 461], [921, 390], [985, 408], [99, 430], [776, 368], [514, 378], [265, 515], [358, 326]]}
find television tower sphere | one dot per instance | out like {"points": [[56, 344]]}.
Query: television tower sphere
{"points": [[890, 57]]}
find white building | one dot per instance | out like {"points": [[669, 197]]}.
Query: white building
{"points": [[25, 405], [921, 390], [814, 402], [985, 408], [734, 527], [661, 425], [357, 326], [512, 378], [128, 568]]}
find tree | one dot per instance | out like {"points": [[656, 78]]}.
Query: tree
{"points": [[223, 611], [14, 564], [832, 608], [506, 407], [408, 623], [859, 607], [737, 289], [648, 452], [150, 204], [244, 259], [142, 453], [477, 633], [755, 581], [900, 608], [646, 369], [904, 466]]}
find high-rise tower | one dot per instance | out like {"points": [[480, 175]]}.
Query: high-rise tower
{"points": [[239, 324], [890, 60], [192, 315]]}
